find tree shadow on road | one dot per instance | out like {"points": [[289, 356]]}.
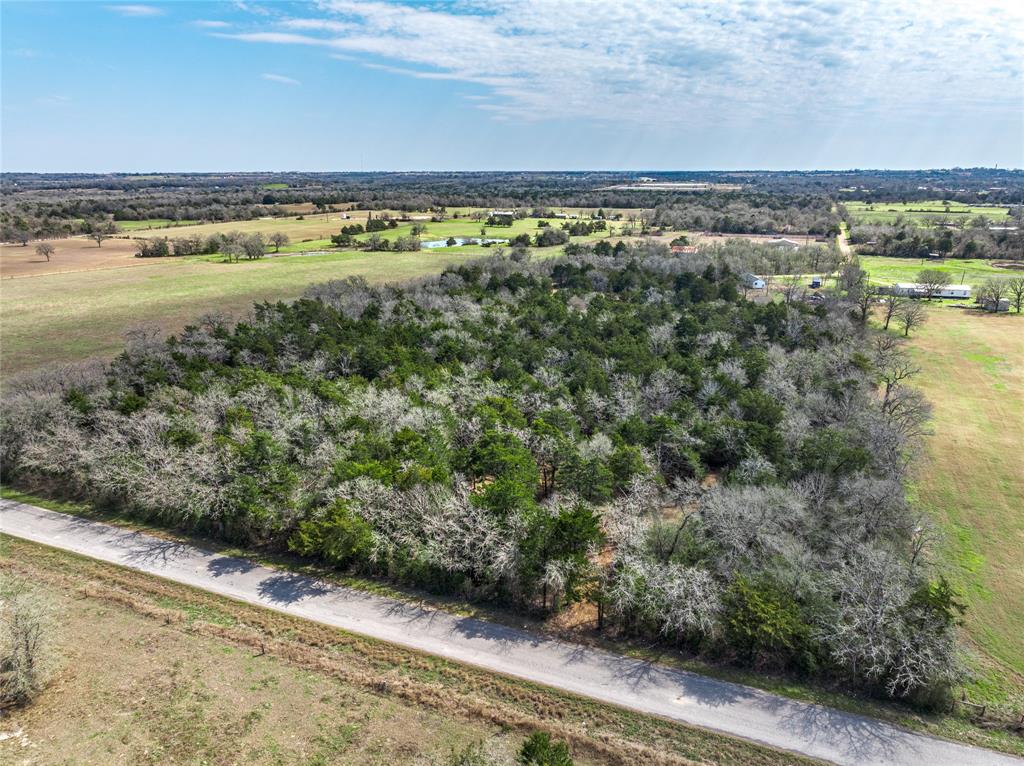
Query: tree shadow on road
{"points": [[503, 636], [289, 588], [229, 565], [859, 739], [145, 550]]}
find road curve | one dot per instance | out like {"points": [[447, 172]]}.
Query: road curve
{"points": [[733, 709]]}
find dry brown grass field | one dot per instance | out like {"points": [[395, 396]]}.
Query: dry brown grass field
{"points": [[72, 254], [151, 672]]}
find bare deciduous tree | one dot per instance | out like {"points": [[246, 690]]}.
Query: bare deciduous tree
{"points": [[101, 230], [932, 281], [993, 291], [911, 315], [46, 250], [1016, 288], [891, 305], [279, 239]]}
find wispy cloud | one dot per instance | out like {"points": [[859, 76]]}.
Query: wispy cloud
{"points": [[53, 100], [280, 78], [662, 62], [209, 24], [136, 10]]}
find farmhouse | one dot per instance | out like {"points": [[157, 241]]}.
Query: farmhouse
{"points": [[753, 281]]}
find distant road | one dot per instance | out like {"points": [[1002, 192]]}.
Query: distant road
{"points": [[686, 697]]}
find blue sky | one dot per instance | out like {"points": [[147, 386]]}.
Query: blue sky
{"points": [[511, 84]]}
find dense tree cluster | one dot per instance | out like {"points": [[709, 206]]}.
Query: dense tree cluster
{"points": [[748, 213], [233, 244], [618, 426], [976, 238]]}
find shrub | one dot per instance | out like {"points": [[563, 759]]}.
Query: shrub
{"points": [[25, 642], [539, 750]]}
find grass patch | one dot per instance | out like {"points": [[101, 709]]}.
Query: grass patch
{"points": [[151, 223]]}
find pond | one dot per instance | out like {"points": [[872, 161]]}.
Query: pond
{"points": [[435, 243]]}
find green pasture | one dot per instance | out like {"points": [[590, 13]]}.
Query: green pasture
{"points": [[923, 212], [971, 482], [966, 271], [64, 317], [151, 223]]}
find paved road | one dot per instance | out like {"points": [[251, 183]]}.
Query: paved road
{"points": [[686, 697]]}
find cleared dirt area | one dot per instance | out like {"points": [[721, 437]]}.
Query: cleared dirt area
{"points": [[153, 672], [72, 254]]}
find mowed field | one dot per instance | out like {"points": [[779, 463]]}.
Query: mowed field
{"points": [[972, 481], [921, 212], [151, 672], [968, 271]]}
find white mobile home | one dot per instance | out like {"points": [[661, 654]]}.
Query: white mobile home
{"points": [[753, 281], [914, 290], [954, 291]]}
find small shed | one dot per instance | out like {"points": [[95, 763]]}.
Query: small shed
{"points": [[1001, 307], [753, 281]]}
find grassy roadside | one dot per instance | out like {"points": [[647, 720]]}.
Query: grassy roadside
{"points": [[157, 672], [958, 726]]}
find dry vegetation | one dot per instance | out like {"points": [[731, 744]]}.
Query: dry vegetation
{"points": [[154, 672]]}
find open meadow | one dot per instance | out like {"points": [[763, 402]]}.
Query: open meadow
{"points": [[923, 212], [972, 480], [65, 317]]}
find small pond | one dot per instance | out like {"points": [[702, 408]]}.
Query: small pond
{"points": [[431, 244]]}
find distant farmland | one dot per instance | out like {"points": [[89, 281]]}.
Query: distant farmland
{"points": [[80, 303], [922, 212]]}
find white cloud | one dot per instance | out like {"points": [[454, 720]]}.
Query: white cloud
{"points": [[208, 24], [53, 100], [703, 62], [136, 10], [280, 78]]}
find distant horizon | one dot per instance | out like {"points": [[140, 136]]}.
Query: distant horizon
{"points": [[103, 87], [952, 168]]}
